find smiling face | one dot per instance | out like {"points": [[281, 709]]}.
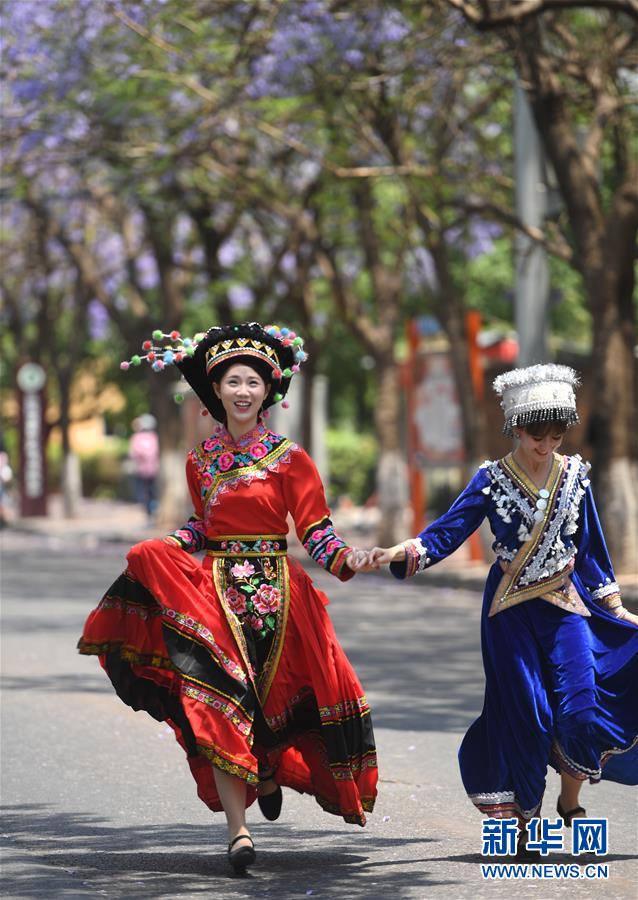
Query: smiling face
{"points": [[537, 445], [242, 392]]}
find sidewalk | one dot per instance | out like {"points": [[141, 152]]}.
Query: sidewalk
{"points": [[115, 521]]}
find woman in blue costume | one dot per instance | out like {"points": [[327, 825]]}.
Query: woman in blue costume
{"points": [[559, 649]]}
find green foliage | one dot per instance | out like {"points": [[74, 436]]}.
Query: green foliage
{"points": [[490, 284], [102, 474], [490, 289], [353, 459]]}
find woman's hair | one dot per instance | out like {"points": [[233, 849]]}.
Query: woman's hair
{"points": [[542, 429], [259, 366]]}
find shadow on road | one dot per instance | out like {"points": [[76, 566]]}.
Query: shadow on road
{"points": [[418, 661], [183, 860]]}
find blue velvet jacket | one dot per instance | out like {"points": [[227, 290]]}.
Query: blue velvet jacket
{"points": [[548, 541]]}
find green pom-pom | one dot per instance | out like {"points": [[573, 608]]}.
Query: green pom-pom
{"points": [[298, 342], [136, 360], [278, 397], [190, 351], [178, 398], [199, 336], [287, 373], [158, 335]]}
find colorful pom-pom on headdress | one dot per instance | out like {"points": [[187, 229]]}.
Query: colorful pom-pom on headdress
{"points": [[277, 353]]}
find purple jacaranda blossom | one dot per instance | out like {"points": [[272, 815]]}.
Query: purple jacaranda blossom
{"points": [[240, 296], [183, 229], [354, 58], [392, 27], [31, 140], [481, 237], [98, 320], [146, 268], [229, 253], [28, 90], [110, 250], [288, 263]]}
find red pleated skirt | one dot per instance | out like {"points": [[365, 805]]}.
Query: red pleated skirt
{"points": [[172, 648]]}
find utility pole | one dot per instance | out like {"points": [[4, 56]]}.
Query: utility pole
{"points": [[532, 269]]}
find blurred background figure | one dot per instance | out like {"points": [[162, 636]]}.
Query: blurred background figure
{"points": [[143, 454], [6, 477]]}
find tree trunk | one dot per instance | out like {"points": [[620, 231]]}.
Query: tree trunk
{"points": [[307, 383], [451, 315], [391, 468], [173, 505], [604, 244], [615, 469]]}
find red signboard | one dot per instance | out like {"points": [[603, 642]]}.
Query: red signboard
{"points": [[31, 379]]}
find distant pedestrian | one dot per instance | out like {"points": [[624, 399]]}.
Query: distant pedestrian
{"points": [[560, 651], [238, 654], [6, 477], [143, 453]]}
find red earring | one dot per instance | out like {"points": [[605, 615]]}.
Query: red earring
{"points": [[204, 412]]}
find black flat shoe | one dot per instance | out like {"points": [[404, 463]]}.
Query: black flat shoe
{"points": [[270, 804], [243, 856], [568, 815], [523, 853]]}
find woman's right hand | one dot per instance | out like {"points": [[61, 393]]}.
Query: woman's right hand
{"points": [[383, 556]]}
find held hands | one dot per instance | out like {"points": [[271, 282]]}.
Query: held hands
{"points": [[369, 560]]}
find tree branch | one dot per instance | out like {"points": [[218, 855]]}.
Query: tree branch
{"points": [[557, 246], [485, 18]]}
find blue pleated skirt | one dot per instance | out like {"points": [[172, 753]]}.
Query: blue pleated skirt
{"points": [[561, 690]]}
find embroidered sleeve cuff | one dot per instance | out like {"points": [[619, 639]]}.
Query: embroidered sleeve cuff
{"points": [[324, 545], [416, 560], [605, 591], [611, 602], [190, 537]]}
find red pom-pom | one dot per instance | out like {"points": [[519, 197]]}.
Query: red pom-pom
{"points": [[276, 373], [174, 335], [179, 357], [151, 356], [204, 412], [146, 345]]}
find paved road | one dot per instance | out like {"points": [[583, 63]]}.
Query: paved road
{"points": [[98, 801]]}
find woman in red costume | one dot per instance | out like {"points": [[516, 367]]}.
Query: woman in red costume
{"points": [[238, 653]]}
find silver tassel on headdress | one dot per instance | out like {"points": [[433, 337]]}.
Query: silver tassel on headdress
{"points": [[541, 393]]}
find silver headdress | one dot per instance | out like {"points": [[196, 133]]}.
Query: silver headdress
{"points": [[542, 393]]}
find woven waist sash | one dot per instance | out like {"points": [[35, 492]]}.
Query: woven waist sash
{"points": [[247, 545]]}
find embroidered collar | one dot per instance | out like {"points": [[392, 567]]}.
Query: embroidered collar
{"points": [[223, 462], [522, 479], [245, 440]]}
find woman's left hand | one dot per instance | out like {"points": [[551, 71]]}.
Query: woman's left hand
{"points": [[360, 560]]}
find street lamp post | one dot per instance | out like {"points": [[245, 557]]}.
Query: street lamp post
{"points": [[532, 269]]}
